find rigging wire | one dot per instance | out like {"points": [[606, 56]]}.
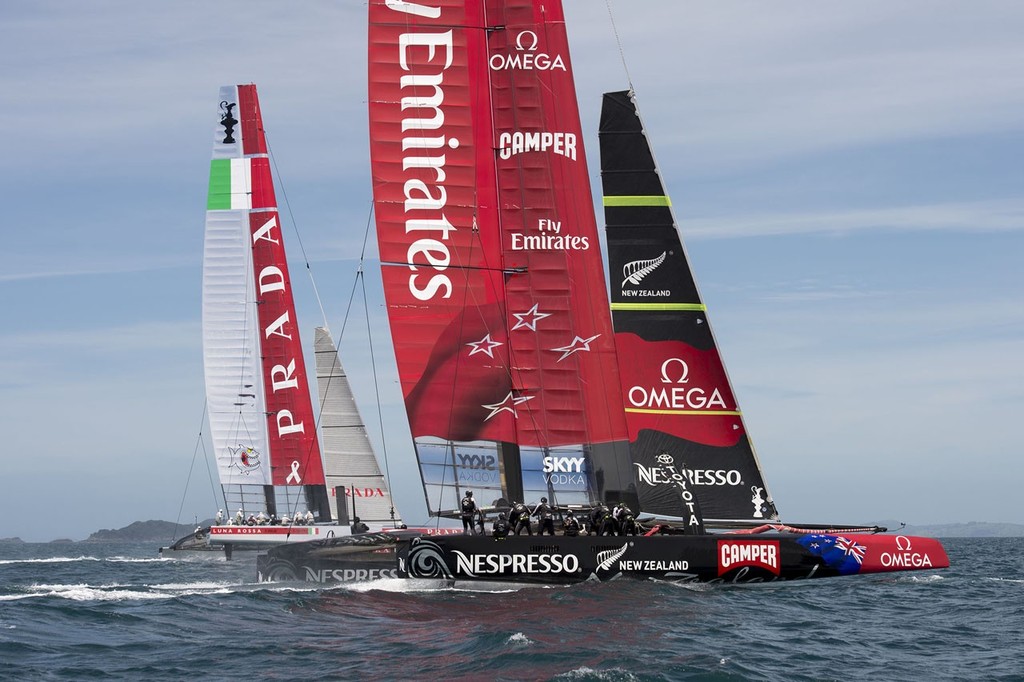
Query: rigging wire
{"points": [[361, 279], [195, 453], [295, 228], [292, 503], [618, 42]]}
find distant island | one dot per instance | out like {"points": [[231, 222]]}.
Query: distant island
{"points": [[145, 531], [971, 529]]}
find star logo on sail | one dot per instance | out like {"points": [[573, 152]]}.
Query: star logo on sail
{"points": [[529, 319], [485, 345], [508, 404], [578, 344]]}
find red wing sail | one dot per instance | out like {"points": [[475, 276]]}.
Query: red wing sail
{"points": [[492, 268]]}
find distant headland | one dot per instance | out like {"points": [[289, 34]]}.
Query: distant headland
{"points": [[159, 532]]}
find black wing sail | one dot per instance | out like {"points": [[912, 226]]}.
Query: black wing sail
{"points": [[685, 426]]}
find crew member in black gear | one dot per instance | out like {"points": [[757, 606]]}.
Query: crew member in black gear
{"points": [[358, 526], [625, 520], [519, 518], [546, 517], [468, 514], [571, 525], [500, 529], [604, 522]]}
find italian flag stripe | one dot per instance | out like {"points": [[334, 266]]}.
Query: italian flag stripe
{"points": [[230, 185]]}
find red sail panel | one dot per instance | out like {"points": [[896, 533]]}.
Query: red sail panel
{"points": [[501, 330], [433, 186], [563, 350], [672, 387], [291, 422], [253, 139]]}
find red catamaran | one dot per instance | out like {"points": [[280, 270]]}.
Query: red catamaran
{"points": [[517, 384]]}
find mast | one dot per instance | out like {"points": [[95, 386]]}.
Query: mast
{"points": [[684, 420], [261, 415], [491, 263]]}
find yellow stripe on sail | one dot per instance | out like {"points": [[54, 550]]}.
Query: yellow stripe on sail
{"points": [[709, 413], [650, 200], [659, 306]]}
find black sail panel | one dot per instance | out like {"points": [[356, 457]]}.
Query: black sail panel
{"points": [[685, 426]]}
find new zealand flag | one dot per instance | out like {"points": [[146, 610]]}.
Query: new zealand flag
{"points": [[838, 552]]}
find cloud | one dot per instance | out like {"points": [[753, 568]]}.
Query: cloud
{"points": [[728, 85], [977, 216]]}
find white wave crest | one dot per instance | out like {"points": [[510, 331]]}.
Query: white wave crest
{"points": [[519, 640], [591, 674], [120, 592], [51, 560]]}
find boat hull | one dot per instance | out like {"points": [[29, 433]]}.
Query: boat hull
{"points": [[721, 558], [350, 558], [269, 536]]}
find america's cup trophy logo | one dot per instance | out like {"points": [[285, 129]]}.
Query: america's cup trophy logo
{"points": [[228, 121]]}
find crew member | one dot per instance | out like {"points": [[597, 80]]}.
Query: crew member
{"points": [[468, 514], [358, 526], [500, 529], [519, 518], [625, 520], [571, 525], [604, 521], [547, 519], [220, 517]]}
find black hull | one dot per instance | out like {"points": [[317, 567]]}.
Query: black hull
{"points": [[198, 541], [721, 558], [352, 558], [559, 560]]}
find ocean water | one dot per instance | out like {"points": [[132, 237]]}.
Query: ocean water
{"points": [[118, 611]]}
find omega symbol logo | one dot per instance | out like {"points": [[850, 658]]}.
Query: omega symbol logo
{"points": [[530, 36], [677, 368], [902, 543]]}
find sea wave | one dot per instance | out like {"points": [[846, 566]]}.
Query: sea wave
{"points": [[126, 592], [68, 560], [519, 640], [49, 560]]}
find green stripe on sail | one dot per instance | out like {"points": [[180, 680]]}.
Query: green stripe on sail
{"points": [[652, 200], [219, 196], [659, 306]]}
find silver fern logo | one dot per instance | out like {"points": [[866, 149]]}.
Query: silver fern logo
{"points": [[635, 271], [608, 557]]}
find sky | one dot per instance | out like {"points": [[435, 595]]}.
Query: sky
{"points": [[847, 176]]}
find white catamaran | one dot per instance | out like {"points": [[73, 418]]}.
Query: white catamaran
{"points": [[277, 487]]}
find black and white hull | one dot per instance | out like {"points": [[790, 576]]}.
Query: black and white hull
{"points": [[722, 558]]}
